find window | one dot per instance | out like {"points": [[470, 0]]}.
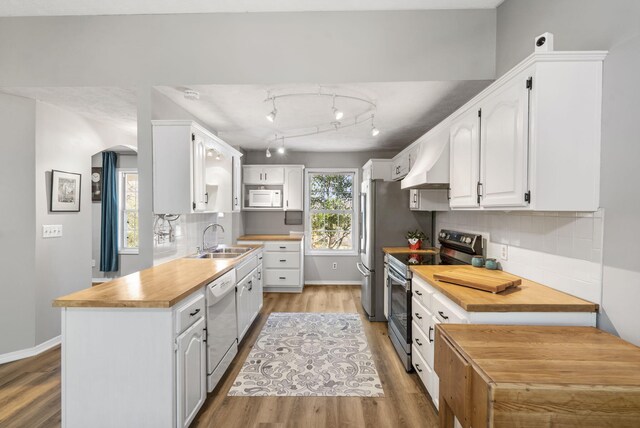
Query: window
{"points": [[128, 205], [331, 211]]}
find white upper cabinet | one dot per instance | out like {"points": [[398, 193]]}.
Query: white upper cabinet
{"points": [[264, 175], [193, 170], [293, 188], [464, 167], [504, 145], [536, 145], [237, 183]]}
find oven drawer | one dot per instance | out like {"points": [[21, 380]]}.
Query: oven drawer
{"points": [[422, 291], [448, 312], [282, 260]]}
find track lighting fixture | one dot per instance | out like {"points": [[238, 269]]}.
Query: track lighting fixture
{"points": [[210, 153], [374, 131], [336, 113], [268, 153], [281, 148], [271, 117], [218, 155]]}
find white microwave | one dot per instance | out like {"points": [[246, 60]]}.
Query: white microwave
{"points": [[265, 198]]}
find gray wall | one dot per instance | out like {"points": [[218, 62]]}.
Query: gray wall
{"points": [[614, 26], [317, 268], [17, 223], [144, 51]]}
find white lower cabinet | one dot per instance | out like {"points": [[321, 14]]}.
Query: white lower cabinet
{"points": [[283, 265], [430, 307], [249, 293], [191, 372]]}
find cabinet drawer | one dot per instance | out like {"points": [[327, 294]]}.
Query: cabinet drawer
{"points": [[425, 373], [189, 312], [420, 342], [282, 260], [246, 267], [447, 311], [282, 246], [420, 315], [423, 292], [281, 277]]}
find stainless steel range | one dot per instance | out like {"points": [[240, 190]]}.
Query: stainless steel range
{"points": [[457, 248]]}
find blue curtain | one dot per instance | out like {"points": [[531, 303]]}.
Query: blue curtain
{"points": [[109, 223]]}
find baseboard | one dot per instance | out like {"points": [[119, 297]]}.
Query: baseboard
{"points": [[29, 352], [332, 282]]}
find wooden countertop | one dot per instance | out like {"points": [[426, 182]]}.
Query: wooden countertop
{"points": [[271, 238], [160, 286], [527, 297], [547, 354], [406, 250]]}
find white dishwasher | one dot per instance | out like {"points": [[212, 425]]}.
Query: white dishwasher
{"points": [[222, 343]]}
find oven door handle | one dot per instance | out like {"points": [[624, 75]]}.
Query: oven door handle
{"points": [[363, 270], [397, 278]]}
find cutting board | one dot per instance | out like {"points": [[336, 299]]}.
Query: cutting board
{"points": [[494, 281]]}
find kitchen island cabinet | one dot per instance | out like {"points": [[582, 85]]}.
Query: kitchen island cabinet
{"points": [[536, 376], [134, 349]]}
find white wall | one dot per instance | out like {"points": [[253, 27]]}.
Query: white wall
{"points": [[614, 26], [64, 141], [17, 223]]}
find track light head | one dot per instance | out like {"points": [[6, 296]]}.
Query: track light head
{"points": [[218, 156], [281, 150], [268, 153], [271, 117], [210, 153], [374, 131], [338, 114]]}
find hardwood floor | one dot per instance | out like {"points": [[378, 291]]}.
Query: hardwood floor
{"points": [[30, 389]]}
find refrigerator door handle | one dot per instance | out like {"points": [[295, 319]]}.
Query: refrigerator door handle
{"points": [[363, 270], [362, 225]]}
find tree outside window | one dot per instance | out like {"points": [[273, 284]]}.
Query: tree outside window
{"points": [[331, 211], [129, 211]]}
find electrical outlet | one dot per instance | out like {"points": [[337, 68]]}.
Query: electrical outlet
{"points": [[93, 262], [334, 266], [504, 252]]}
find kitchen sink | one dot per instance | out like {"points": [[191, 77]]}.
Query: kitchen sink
{"points": [[221, 253], [233, 250]]}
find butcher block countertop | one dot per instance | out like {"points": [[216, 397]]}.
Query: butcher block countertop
{"points": [[160, 286], [536, 376], [271, 238], [526, 297], [407, 250]]}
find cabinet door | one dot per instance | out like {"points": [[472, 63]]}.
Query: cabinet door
{"points": [[236, 180], [252, 174], [243, 302], [191, 373], [293, 189], [465, 160], [199, 173], [504, 146], [273, 175], [258, 288]]}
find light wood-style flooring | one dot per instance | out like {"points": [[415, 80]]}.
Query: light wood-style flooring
{"points": [[30, 389]]}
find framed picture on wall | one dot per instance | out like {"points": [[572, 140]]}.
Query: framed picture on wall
{"points": [[96, 184], [65, 191]]}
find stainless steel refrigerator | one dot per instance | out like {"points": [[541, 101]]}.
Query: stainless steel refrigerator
{"points": [[385, 218]]}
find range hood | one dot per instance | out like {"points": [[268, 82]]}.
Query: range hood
{"points": [[431, 168]]}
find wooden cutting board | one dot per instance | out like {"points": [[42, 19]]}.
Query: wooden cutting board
{"points": [[494, 281]]}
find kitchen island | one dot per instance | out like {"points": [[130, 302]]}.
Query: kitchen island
{"points": [[510, 376], [134, 349]]}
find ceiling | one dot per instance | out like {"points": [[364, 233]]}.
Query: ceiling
{"points": [[144, 7], [404, 111], [110, 105]]}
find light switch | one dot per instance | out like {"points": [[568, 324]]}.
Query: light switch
{"points": [[51, 230]]}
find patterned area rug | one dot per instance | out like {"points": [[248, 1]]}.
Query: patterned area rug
{"points": [[310, 354]]}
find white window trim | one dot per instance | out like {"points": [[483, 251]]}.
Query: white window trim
{"points": [[120, 174], [355, 219]]}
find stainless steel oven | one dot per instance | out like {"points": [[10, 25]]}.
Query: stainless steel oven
{"points": [[399, 313]]}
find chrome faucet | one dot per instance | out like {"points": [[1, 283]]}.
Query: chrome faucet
{"points": [[204, 232]]}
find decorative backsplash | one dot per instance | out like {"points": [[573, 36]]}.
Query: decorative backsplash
{"points": [[179, 236]]}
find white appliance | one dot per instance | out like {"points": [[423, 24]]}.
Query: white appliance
{"points": [[265, 198], [222, 344]]}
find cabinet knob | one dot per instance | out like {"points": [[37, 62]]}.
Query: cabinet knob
{"points": [[194, 313], [429, 334]]}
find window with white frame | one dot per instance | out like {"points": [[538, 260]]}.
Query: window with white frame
{"points": [[128, 206], [331, 222]]}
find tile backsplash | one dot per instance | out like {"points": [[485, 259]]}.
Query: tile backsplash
{"points": [[181, 237], [575, 235]]}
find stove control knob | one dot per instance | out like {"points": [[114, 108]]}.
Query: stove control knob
{"points": [[467, 240], [442, 235]]}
